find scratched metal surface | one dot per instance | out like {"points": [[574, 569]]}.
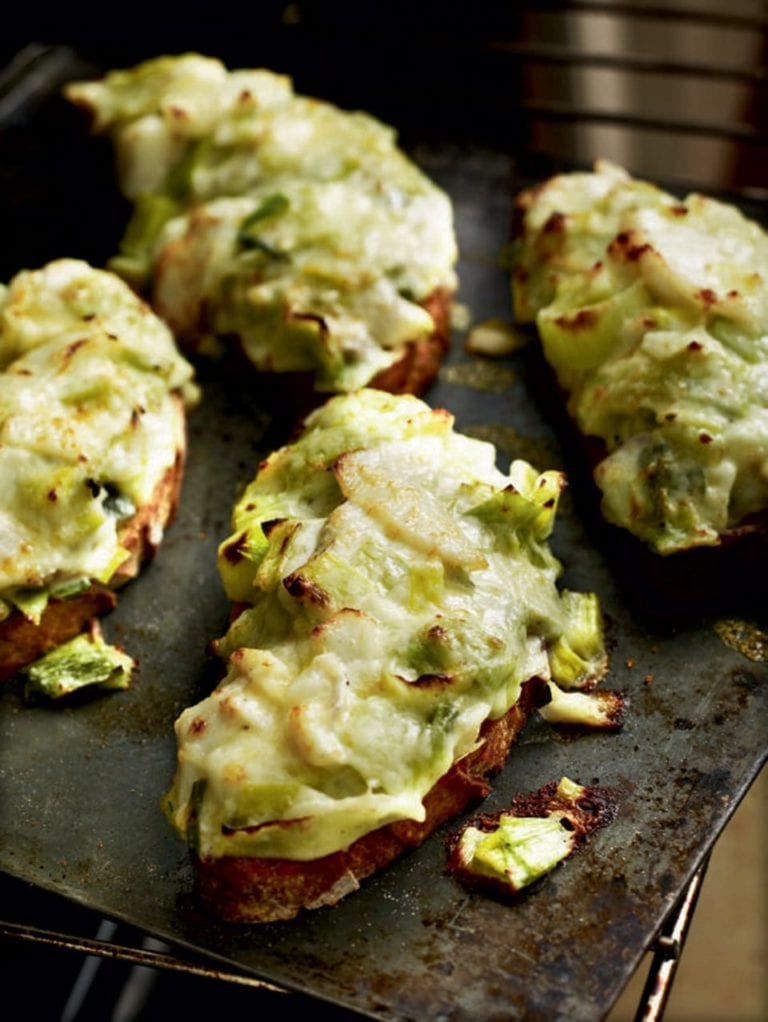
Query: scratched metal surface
{"points": [[80, 785]]}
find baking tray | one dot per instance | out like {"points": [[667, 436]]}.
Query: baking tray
{"points": [[80, 784]]}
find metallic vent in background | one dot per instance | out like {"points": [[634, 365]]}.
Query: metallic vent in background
{"points": [[675, 92]]}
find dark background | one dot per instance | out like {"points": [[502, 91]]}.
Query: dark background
{"points": [[421, 65]]}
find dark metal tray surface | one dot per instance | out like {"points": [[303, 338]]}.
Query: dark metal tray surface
{"points": [[80, 784]]}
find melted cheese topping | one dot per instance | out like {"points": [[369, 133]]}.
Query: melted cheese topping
{"points": [[88, 424], [654, 314], [299, 228], [400, 590]]}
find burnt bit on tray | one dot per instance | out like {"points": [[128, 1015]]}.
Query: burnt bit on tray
{"points": [[497, 854]]}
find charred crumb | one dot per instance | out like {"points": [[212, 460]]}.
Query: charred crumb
{"points": [[555, 223], [72, 349], [583, 320], [580, 815], [272, 523], [429, 680], [624, 246], [234, 550], [302, 588], [707, 296], [311, 317]]}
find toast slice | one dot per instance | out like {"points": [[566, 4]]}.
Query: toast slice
{"points": [[396, 613], [92, 447], [278, 225], [24, 640], [653, 316]]}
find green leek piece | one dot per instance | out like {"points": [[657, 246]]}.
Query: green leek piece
{"points": [[85, 660], [521, 849]]}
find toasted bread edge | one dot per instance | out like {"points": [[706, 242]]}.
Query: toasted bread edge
{"points": [[244, 890]]}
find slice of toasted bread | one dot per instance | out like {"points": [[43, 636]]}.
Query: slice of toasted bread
{"points": [[243, 890], [92, 445], [355, 632], [725, 577], [315, 259], [22, 641], [653, 319]]}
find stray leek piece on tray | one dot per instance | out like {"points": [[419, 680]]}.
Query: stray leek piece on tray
{"points": [[399, 615], [653, 313], [504, 852], [85, 661]]}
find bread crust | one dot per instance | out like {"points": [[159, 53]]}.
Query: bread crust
{"points": [[22, 641], [245, 890], [421, 359]]}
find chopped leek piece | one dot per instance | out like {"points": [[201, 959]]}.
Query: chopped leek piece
{"points": [[520, 850], [602, 709], [30, 602], [85, 660], [510, 850]]}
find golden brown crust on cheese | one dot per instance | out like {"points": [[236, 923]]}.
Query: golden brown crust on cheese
{"points": [[22, 641], [241, 889]]}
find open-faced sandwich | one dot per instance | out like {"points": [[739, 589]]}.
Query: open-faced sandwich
{"points": [[295, 231], [653, 314], [92, 439], [396, 616]]}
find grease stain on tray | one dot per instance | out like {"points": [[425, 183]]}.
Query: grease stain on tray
{"points": [[479, 375], [745, 637], [539, 451]]}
